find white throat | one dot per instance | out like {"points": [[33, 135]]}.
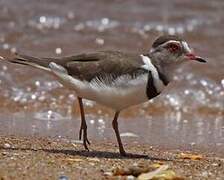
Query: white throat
{"points": [[155, 74]]}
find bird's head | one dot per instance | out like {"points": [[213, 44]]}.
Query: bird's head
{"points": [[170, 49], [169, 52]]}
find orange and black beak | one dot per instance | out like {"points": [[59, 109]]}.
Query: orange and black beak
{"points": [[191, 56]]}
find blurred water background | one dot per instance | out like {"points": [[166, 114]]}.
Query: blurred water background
{"points": [[188, 115]]}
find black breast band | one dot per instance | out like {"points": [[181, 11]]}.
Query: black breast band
{"points": [[151, 90]]}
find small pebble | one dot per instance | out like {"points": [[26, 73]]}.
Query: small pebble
{"points": [[108, 174], [130, 177], [63, 177], [7, 145], [204, 174], [4, 153], [215, 164]]}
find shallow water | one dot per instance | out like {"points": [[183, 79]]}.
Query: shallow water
{"points": [[188, 115]]}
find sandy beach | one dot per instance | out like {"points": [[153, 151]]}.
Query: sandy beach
{"points": [[44, 158]]}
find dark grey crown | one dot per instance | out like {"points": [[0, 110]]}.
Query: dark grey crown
{"points": [[165, 38]]}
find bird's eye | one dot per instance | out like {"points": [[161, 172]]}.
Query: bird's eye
{"points": [[172, 47]]}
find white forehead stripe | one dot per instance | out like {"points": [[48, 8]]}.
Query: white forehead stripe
{"points": [[170, 41], [183, 43], [155, 75], [165, 43], [186, 47]]}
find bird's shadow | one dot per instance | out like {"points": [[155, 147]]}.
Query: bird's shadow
{"points": [[84, 153]]}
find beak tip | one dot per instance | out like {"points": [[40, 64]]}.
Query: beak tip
{"points": [[199, 59], [191, 56]]}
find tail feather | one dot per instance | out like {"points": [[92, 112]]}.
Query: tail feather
{"points": [[40, 63], [17, 61], [24, 58]]}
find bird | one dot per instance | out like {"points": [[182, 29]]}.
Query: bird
{"points": [[116, 79]]}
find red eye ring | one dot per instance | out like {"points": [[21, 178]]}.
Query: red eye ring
{"points": [[172, 47]]}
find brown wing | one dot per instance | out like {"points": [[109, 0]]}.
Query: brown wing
{"points": [[44, 62], [88, 66], [104, 63]]}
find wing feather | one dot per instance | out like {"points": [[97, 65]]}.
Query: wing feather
{"points": [[88, 66]]}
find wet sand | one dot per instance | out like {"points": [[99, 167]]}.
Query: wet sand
{"points": [[156, 126], [45, 158]]}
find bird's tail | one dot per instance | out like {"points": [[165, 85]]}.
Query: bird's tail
{"points": [[55, 65], [40, 63]]}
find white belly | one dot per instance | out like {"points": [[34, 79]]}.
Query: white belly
{"points": [[122, 93]]}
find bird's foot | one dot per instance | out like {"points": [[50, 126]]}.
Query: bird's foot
{"points": [[83, 134], [122, 152]]}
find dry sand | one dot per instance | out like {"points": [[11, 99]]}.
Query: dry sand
{"points": [[44, 158]]}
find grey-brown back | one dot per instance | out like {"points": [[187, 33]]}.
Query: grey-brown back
{"points": [[88, 66]]}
